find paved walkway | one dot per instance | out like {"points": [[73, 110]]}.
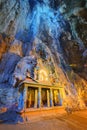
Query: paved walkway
{"points": [[52, 120]]}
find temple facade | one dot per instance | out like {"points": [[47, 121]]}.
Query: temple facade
{"points": [[33, 94], [42, 91]]}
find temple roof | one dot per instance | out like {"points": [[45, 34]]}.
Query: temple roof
{"points": [[31, 82]]}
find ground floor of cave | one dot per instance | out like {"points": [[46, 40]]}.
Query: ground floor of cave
{"points": [[52, 120]]}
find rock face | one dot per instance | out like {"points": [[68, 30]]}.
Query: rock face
{"points": [[24, 68], [53, 30], [8, 96], [3, 45], [16, 48], [14, 14], [7, 67], [75, 13]]}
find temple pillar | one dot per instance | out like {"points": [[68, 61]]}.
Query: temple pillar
{"points": [[25, 97], [51, 98], [48, 99], [39, 97], [60, 97], [35, 104], [29, 99], [62, 91]]}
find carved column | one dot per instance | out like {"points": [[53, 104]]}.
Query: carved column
{"points": [[51, 98], [39, 97], [48, 98], [35, 104], [30, 98], [25, 97], [60, 97], [22, 98], [62, 91]]}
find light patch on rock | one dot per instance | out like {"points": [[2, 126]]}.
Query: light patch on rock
{"points": [[16, 47]]}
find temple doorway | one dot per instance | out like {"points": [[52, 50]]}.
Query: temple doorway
{"points": [[56, 100], [30, 97], [45, 97]]}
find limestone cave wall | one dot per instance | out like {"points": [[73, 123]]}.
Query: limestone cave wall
{"points": [[54, 31]]}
